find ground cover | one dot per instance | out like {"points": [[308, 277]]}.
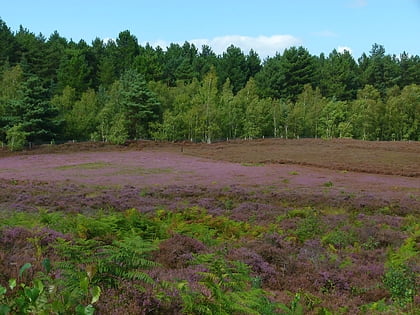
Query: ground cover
{"points": [[151, 229]]}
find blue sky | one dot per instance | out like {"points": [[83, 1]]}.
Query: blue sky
{"points": [[265, 25]]}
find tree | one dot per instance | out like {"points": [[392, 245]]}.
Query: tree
{"points": [[409, 69], [74, 71], [31, 51], [256, 111], [205, 60], [82, 119], [127, 49], [284, 76], [11, 83], [138, 104], [107, 64], [173, 58], [334, 121], [149, 63], [299, 69], [271, 77], [339, 77], [64, 103], [55, 48], [233, 65], [379, 70], [11, 92], [108, 114], [16, 138], [205, 102], [118, 133], [231, 113], [253, 63], [34, 112], [185, 70], [402, 114], [8, 45], [368, 114], [308, 107], [279, 113]]}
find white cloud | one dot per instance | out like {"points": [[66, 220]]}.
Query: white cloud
{"points": [[161, 43], [263, 45], [342, 49], [107, 40]]}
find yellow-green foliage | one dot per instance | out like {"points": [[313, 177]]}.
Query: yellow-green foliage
{"points": [[197, 223]]}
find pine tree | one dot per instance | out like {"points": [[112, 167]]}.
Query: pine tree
{"points": [[34, 112], [139, 104]]}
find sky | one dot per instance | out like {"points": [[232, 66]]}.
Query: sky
{"points": [[267, 26]]}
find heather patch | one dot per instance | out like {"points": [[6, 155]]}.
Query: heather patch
{"points": [[153, 231]]}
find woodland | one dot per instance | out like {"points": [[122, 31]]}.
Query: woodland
{"points": [[55, 90]]}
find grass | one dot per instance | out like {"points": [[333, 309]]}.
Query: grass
{"points": [[84, 166], [328, 184], [252, 164], [144, 171]]}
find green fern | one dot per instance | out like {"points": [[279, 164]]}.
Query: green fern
{"points": [[228, 290], [125, 259], [399, 278]]}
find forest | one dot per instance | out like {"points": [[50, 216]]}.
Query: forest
{"points": [[56, 90]]}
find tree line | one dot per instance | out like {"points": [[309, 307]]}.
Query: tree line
{"points": [[54, 89]]}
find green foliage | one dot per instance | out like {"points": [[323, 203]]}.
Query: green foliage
{"points": [[339, 238], [328, 184], [45, 295], [139, 105], [124, 259], [399, 277], [106, 264], [308, 227], [209, 229], [230, 290], [295, 308], [60, 89], [400, 280], [16, 138]]}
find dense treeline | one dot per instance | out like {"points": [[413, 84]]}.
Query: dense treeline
{"points": [[56, 89]]}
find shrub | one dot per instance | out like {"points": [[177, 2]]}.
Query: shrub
{"points": [[401, 283], [177, 251], [308, 228], [339, 238], [399, 278], [44, 295], [16, 138]]}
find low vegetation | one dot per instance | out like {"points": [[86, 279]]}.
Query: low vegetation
{"points": [[207, 252]]}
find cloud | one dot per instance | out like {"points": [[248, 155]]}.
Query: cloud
{"points": [[263, 45], [342, 49], [107, 40]]}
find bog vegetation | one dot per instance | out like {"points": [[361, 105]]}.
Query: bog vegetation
{"points": [[53, 89]]}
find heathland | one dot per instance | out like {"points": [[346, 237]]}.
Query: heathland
{"points": [[270, 226]]}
